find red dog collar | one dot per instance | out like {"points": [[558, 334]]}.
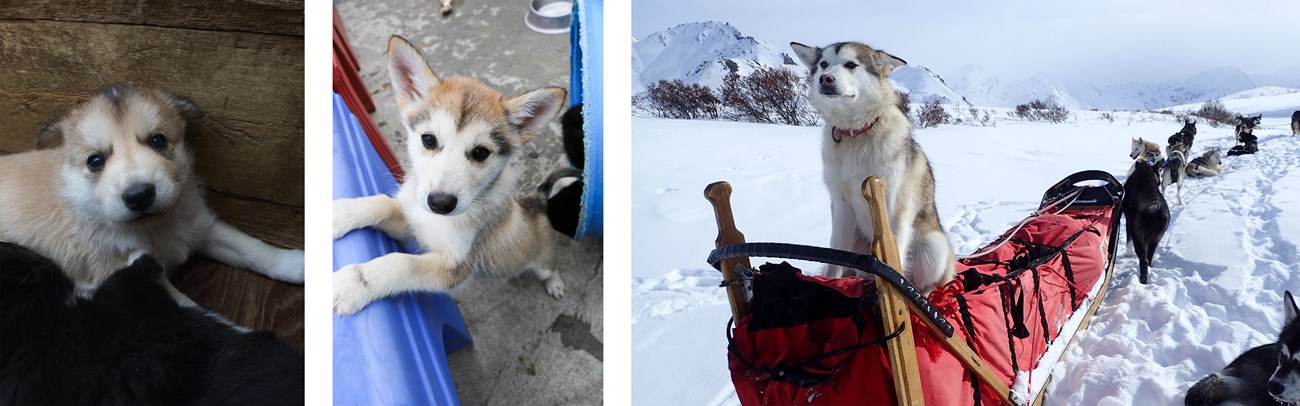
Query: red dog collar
{"points": [[839, 135]]}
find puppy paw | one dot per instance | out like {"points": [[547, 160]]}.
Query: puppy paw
{"points": [[289, 267], [350, 293], [345, 215], [555, 286], [135, 256]]}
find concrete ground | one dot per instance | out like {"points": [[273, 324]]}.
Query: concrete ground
{"points": [[529, 349]]}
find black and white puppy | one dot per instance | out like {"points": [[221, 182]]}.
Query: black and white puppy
{"points": [[1266, 375], [128, 344]]}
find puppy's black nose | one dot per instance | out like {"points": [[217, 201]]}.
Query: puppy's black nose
{"points": [[442, 203], [139, 197], [1275, 388]]}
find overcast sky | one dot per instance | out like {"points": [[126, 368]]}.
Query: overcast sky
{"points": [[1104, 42]]}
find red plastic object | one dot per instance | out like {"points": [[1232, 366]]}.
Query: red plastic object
{"points": [[368, 125]]}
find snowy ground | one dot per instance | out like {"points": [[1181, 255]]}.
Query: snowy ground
{"points": [[1217, 279]]}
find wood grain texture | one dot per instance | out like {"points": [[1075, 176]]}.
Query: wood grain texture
{"points": [[259, 16], [239, 60], [245, 298]]}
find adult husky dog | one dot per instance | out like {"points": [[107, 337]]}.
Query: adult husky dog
{"points": [[1266, 375], [1186, 135], [1146, 151], [1174, 169], [1146, 214], [115, 175], [458, 199], [1205, 165], [866, 134], [1295, 123]]}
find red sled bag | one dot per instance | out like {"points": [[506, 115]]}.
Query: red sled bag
{"points": [[810, 340]]}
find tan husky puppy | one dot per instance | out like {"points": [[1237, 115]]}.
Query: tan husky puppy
{"points": [[458, 199], [114, 176]]}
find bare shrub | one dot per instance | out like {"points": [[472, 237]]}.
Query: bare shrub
{"points": [[1041, 110], [932, 114], [904, 102], [1216, 114], [1110, 118], [768, 95], [676, 99]]}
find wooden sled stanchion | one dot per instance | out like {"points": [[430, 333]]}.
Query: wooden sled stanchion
{"points": [[903, 349], [719, 194], [893, 308]]}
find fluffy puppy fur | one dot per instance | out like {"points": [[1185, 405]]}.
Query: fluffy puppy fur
{"points": [[115, 175], [128, 344]]}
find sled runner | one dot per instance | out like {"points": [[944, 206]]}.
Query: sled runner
{"points": [[989, 336]]}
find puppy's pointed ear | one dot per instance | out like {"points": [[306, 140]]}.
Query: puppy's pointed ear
{"points": [[51, 136], [1291, 310], [808, 55], [530, 111], [412, 78], [188, 108]]}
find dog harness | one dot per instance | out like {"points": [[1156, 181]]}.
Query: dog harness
{"points": [[838, 134]]}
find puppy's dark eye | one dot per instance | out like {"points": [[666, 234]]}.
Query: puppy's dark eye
{"points": [[429, 141], [158, 142], [479, 154], [824, 64], [850, 65], [95, 162]]}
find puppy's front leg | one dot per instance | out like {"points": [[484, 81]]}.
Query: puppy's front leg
{"points": [[356, 285], [381, 211], [232, 247]]}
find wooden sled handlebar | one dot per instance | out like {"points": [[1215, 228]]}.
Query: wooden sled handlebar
{"points": [[894, 304]]}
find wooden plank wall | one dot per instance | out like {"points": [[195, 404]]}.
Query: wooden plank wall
{"points": [[240, 60]]}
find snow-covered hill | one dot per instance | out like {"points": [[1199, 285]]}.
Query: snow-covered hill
{"points": [[988, 89], [701, 52], [1217, 279]]}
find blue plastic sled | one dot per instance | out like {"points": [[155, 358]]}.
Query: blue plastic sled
{"points": [[586, 76], [395, 350]]}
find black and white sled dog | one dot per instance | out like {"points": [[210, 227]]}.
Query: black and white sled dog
{"points": [[1184, 136], [1295, 123], [1265, 375], [866, 134], [130, 343], [1146, 213], [1174, 168], [1247, 142], [1206, 165]]}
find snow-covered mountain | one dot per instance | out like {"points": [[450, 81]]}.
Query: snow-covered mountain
{"points": [[698, 53], [987, 89], [701, 52]]}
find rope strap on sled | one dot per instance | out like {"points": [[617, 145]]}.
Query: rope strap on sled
{"points": [[864, 263]]}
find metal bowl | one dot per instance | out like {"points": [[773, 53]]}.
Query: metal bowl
{"points": [[549, 16]]}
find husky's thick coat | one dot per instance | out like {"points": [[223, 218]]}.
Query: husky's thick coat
{"points": [[866, 134], [115, 175], [1146, 214], [1205, 165], [458, 199], [1174, 169], [1185, 136], [1146, 151], [128, 344], [1295, 123], [1265, 375]]}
